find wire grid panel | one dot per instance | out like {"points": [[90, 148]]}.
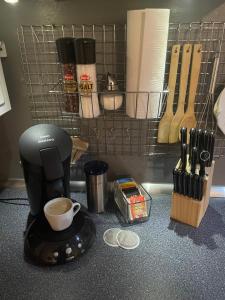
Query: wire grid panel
{"points": [[114, 132]]}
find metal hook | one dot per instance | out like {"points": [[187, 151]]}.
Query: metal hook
{"points": [[189, 32], [111, 132], [73, 30], [62, 30], [200, 33], [34, 33], [178, 30], [128, 132], [93, 31], [96, 132]]}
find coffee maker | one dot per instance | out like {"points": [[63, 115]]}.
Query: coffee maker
{"points": [[45, 153]]}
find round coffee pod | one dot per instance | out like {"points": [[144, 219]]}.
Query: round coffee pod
{"points": [[127, 239], [110, 235]]}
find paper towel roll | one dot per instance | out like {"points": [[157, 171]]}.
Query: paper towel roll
{"points": [[135, 25], [146, 57]]}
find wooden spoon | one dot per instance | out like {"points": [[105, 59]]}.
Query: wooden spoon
{"points": [[189, 119], [175, 124], [164, 124]]}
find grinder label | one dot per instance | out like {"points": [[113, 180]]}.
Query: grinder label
{"points": [[85, 85]]}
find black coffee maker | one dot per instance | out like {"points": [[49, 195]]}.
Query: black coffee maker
{"points": [[45, 152]]}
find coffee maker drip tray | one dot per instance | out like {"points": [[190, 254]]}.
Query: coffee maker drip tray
{"points": [[45, 246]]}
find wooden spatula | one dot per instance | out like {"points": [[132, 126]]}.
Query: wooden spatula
{"points": [[185, 65], [164, 124], [189, 119]]}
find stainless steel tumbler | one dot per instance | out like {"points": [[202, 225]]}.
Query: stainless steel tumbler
{"points": [[96, 184]]}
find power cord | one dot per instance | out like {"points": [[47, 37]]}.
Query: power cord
{"points": [[7, 201]]}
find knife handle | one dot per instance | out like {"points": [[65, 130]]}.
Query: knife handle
{"points": [[199, 142], [212, 144], [208, 142], [194, 156], [175, 184], [183, 135], [195, 186], [202, 168], [200, 187], [180, 181], [184, 156], [192, 142], [185, 183], [205, 140], [191, 185]]}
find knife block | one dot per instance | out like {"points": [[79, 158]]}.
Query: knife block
{"points": [[189, 210]]}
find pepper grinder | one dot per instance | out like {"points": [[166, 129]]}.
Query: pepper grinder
{"points": [[111, 99], [66, 55], [86, 77]]}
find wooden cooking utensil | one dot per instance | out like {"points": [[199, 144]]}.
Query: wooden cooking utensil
{"points": [[164, 124], [175, 124], [189, 120]]}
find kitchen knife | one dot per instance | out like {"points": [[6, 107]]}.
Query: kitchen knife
{"points": [[185, 183], [199, 142], [200, 187], [195, 187], [194, 155], [205, 140], [183, 135], [175, 180], [198, 133], [202, 168], [191, 185], [180, 181], [208, 142], [212, 144], [183, 157], [192, 143]]}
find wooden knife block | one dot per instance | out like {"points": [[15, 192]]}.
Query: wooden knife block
{"points": [[188, 210]]}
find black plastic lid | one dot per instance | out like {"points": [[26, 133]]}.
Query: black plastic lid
{"points": [[44, 136], [65, 49], [85, 51], [95, 167]]}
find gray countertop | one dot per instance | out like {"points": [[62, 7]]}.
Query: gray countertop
{"points": [[173, 261]]}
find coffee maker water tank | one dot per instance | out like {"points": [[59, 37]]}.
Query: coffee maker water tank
{"points": [[45, 152]]}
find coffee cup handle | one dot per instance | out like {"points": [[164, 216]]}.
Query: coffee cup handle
{"points": [[75, 210]]}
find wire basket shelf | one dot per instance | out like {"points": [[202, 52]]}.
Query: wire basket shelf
{"points": [[113, 132]]}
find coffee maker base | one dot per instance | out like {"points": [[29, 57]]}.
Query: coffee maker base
{"points": [[44, 246]]}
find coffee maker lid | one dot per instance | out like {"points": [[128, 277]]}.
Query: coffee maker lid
{"points": [[43, 136]]}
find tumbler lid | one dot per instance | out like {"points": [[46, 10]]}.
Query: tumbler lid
{"points": [[95, 167]]}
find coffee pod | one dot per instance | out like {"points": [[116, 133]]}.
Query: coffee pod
{"points": [[127, 239], [110, 235]]}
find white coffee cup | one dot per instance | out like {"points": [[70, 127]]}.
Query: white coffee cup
{"points": [[60, 212]]}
